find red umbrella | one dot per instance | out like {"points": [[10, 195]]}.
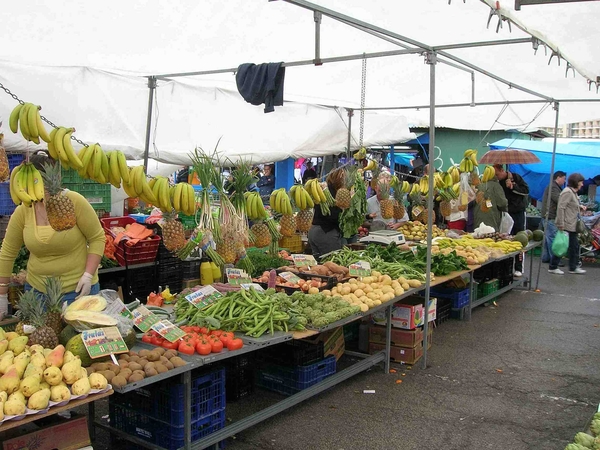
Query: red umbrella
{"points": [[509, 156]]}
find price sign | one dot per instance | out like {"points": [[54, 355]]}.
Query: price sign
{"points": [[143, 318], [203, 297], [290, 277], [118, 308], [417, 210], [237, 276], [304, 260], [103, 342], [360, 269], [169, 331], [488, 203], [256, 287]]}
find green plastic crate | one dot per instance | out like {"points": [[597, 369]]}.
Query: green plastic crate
{"points": [[97, 194], [189, 222], [488, 287], [70, 176]]}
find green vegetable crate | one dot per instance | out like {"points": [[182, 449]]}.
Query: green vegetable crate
{"points": [[487, 287], [98, 195]]}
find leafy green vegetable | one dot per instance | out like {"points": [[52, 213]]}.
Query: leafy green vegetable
{"points": [[353, 217], [262, 261]]}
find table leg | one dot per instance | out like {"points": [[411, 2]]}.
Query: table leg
{"points": [[468, 312], [187, 408], [91, 420], [388, 338], [530, 280]]}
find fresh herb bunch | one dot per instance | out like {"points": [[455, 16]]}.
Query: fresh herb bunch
{"points": [[354, 217]]}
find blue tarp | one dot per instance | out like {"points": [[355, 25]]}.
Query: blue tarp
{"points": [[404, 158], [572, 157]]}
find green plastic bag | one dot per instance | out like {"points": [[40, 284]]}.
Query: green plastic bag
{"points": [[560, 245]]}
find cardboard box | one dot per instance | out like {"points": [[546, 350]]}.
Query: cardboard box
{"points": [[399, 354], [416, 300], [333, 342], [67, 435], [407, 314], [399, 338]]}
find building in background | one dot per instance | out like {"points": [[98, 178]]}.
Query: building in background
{"points": [[589, 129]]}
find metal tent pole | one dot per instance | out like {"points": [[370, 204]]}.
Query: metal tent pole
{"points": [[546, 214], [350, 114], [431, 60], [151, 89]]}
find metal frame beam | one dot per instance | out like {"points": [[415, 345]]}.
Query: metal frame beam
{"points": [[519, 3], [528, 40]]}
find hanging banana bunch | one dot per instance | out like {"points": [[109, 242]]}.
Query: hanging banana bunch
{"points": [[488, 174], [26, 118], [26, 185]]}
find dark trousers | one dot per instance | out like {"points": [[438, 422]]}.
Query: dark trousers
{"points": [[573, 250], [519, 218]]}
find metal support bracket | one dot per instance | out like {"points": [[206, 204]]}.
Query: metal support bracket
{"points": [[450, 1], [430, 58], [554, 53], [596, 83], [318, 17], [569, 66]]}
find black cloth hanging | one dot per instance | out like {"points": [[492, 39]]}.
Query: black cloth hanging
{"points": [[261, 83]]}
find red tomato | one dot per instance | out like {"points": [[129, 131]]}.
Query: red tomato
{"points": [[226, 337], [216, 332], [203, 330], [170, 345], [147, 338], [203, 348], [216, 346], [186, 347], [157, 340], [235, 344], [196, 329]]}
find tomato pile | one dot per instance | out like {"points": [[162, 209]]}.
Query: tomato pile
{"points": [[197, 340]]}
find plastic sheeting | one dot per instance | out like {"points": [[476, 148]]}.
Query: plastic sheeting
{"points": [[570, 157]]}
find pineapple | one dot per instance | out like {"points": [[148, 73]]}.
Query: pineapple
{"points": [[227, 248], [288, 225], [479, 197], [262, 237], [4, 168], [59, 207], [173, 234], [43, 334], [386, 205], [445, 208], [399, 209], [24, 313], [475, 180], [343, 195], [304, 220], [54, 302]]}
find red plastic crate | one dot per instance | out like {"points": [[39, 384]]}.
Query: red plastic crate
{"points": [[109, 222], [142, 252]]}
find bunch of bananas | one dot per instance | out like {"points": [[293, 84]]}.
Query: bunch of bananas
{"points": [[94, 164], [255, 210], [184, 198], [360, 155], [372, 165], [301, 197], [469, 162], [444, 185], [27, 118], [26, 185], [415, 190], [314, 189], [403, 186], [138, 186], [117, 166], [60, 148], [488, 174], [280, 202], [455, 174], [424, 184]]}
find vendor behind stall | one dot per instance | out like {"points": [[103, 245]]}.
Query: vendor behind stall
{"points": [[266, 183], [325, 236], [373, 207], [73, 255]]}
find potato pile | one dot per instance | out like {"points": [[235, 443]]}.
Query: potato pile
{"points": [[135, 366], [417, 231]]}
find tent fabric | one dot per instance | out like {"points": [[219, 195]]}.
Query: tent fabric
{"points": [[97, 83], [572, 157]]}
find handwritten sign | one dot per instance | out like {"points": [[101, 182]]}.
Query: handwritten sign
{"points": [[237, 276], [290, 277], [168, 330], [103, 342], [143, 318], [360, 269], [256, 287], [118, 308], [304, 260], [417, 210], [203, 297]]}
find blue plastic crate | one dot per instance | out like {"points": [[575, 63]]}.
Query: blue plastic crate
{"points": [[161, 433], [165, 401], [14, 159], [290, 380], [7, 207], [140, 218], [459, 297]]}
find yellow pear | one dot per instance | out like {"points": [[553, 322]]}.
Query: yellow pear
{"points": [[9, 382], [68, 357], [33, 370], [1, 411], [3, 396], [3, 345], [29, 385], [36, 348], [56, 356], [37, 359], [98, 381], [2, 334], [44, 385], [18, 396], [11, 335], [59, 393], [17, 345], [14, 408], [21, 361], [39, 400], [53, 376], [6, 361], [81, 387], [71, 371]]}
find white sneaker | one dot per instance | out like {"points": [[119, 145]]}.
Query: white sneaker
{"points": [[577, 271], [556, 271], [518, 274]]}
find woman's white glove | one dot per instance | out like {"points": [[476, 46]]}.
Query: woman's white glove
{"points": [[3, 305], [85, 285]]}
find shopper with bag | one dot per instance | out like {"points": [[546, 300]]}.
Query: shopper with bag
{"points": [[567, 218], [493, 203], [549, 203]]}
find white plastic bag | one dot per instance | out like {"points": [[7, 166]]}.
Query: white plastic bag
{"points": [[506, 224], [482, 230], [467, 193]]}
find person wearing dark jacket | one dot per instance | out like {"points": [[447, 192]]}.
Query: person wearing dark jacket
{"points": [[309, 173], [325, 235], [549, 207], [516, 191], [266, 183]]}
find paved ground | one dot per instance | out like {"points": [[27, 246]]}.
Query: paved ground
{"points": [[522, 375]]}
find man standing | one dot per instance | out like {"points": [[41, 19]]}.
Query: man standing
{"points": [[374, 209], [549, 207], [516, 191]]}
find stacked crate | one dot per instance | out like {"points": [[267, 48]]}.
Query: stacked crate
{"points": [[7, 207], [98, 195]]}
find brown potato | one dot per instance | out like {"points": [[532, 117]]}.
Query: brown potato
{"points": [[150, 372], [160, 350], [161, 368], [139, 372], [118, 381], [126, 372], [114, 367], [142, 362], [90, 370], [123, 364], [99, 367], [153, 356], [163, 360], [136, 377], [169, 365], [132, 353], [177, 361], [143, 353], [170, 353], [108, 374], [134, 358], [124, 356], [133, 366]]}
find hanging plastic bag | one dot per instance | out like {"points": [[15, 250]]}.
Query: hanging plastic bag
{"points": [[560, 245], [467, 193], [506, 224]]}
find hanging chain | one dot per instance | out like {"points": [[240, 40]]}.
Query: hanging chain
{"points": [[8, 91], [363, 88]]}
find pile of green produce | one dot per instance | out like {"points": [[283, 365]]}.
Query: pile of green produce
{"points": [[353, 217], [252, 312], [263, 261], [321, 310], [584, 441], [532, 211]]}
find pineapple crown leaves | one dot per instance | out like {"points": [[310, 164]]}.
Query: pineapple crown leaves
{"points": [[38, 313], [54, 296], [29, 302], [384, 190], [52, 178]]}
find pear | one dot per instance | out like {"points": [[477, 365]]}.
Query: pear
{"points": [[21, 361], [98, 381], [1, 411], [68, 357], [53, 376], [44, 385], [59, 393], [2, 334], [36, 348], [29, 385], [56, 356], [3, 396], [18, 396], [39, 400], [71, 371], [17, 345], [12, 335], [33, 370], [14, 408], [37, 359], [47, 351], [9, 382], [6, 361], [81, 387], [3, 345]]}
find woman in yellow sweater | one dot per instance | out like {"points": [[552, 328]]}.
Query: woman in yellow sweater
{"points": [[72, 255]]}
